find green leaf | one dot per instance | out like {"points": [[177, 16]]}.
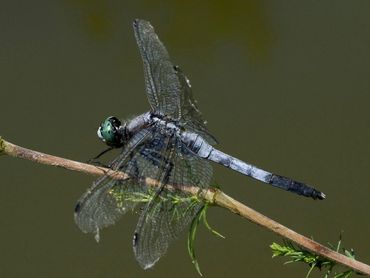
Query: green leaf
{"points": [[191, 239], [205, 222], [201, 215]]}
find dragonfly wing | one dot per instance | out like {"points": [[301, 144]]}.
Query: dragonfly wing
{"points": [[162, 85], [168, 89], [191, 117], [101, 206], [173, 206]]}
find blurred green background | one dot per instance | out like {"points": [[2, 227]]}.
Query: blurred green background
{"points": [[283, 84]]}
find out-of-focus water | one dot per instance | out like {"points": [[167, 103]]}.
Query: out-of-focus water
{"points": [[283, 85]]}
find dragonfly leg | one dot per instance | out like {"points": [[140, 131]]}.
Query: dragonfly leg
{"points": [[94, 160]]}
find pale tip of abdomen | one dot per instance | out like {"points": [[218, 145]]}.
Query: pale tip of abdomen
{"points": [[322, 196], [319, 195]]}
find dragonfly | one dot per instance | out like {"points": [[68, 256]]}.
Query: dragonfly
{"points": [[170, 146]]}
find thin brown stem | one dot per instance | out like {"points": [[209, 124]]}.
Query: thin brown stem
{"points": [[212, 196]]}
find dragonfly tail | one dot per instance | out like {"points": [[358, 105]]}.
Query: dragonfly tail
{"points": [[262, 175], [295, 187]]}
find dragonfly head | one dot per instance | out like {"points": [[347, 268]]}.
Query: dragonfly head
{"points": [[110, 132]]}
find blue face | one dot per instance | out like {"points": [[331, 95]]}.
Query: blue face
{"points": [[109, 132]]}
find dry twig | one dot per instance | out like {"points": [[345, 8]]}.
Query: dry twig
{"points": [[213, 196]]}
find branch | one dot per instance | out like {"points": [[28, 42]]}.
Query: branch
{"points": [[213, 196]]}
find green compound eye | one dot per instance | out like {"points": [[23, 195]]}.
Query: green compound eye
{"points": [[108, 132]]}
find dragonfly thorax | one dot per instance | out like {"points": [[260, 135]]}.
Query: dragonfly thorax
{"points": [[166, 126]]}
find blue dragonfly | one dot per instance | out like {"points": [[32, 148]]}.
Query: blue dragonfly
{"points": [[171, 146]]}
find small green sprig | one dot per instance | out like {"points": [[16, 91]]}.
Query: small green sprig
{"points": [[145, 196], [201, 216], [298, 254]]}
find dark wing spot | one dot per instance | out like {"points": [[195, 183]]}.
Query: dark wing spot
{"points": [[78, 207]]}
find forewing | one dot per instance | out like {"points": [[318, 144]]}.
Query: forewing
{"points": [[162, 85], [174, 206], [168, 89], [103, 204]]}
